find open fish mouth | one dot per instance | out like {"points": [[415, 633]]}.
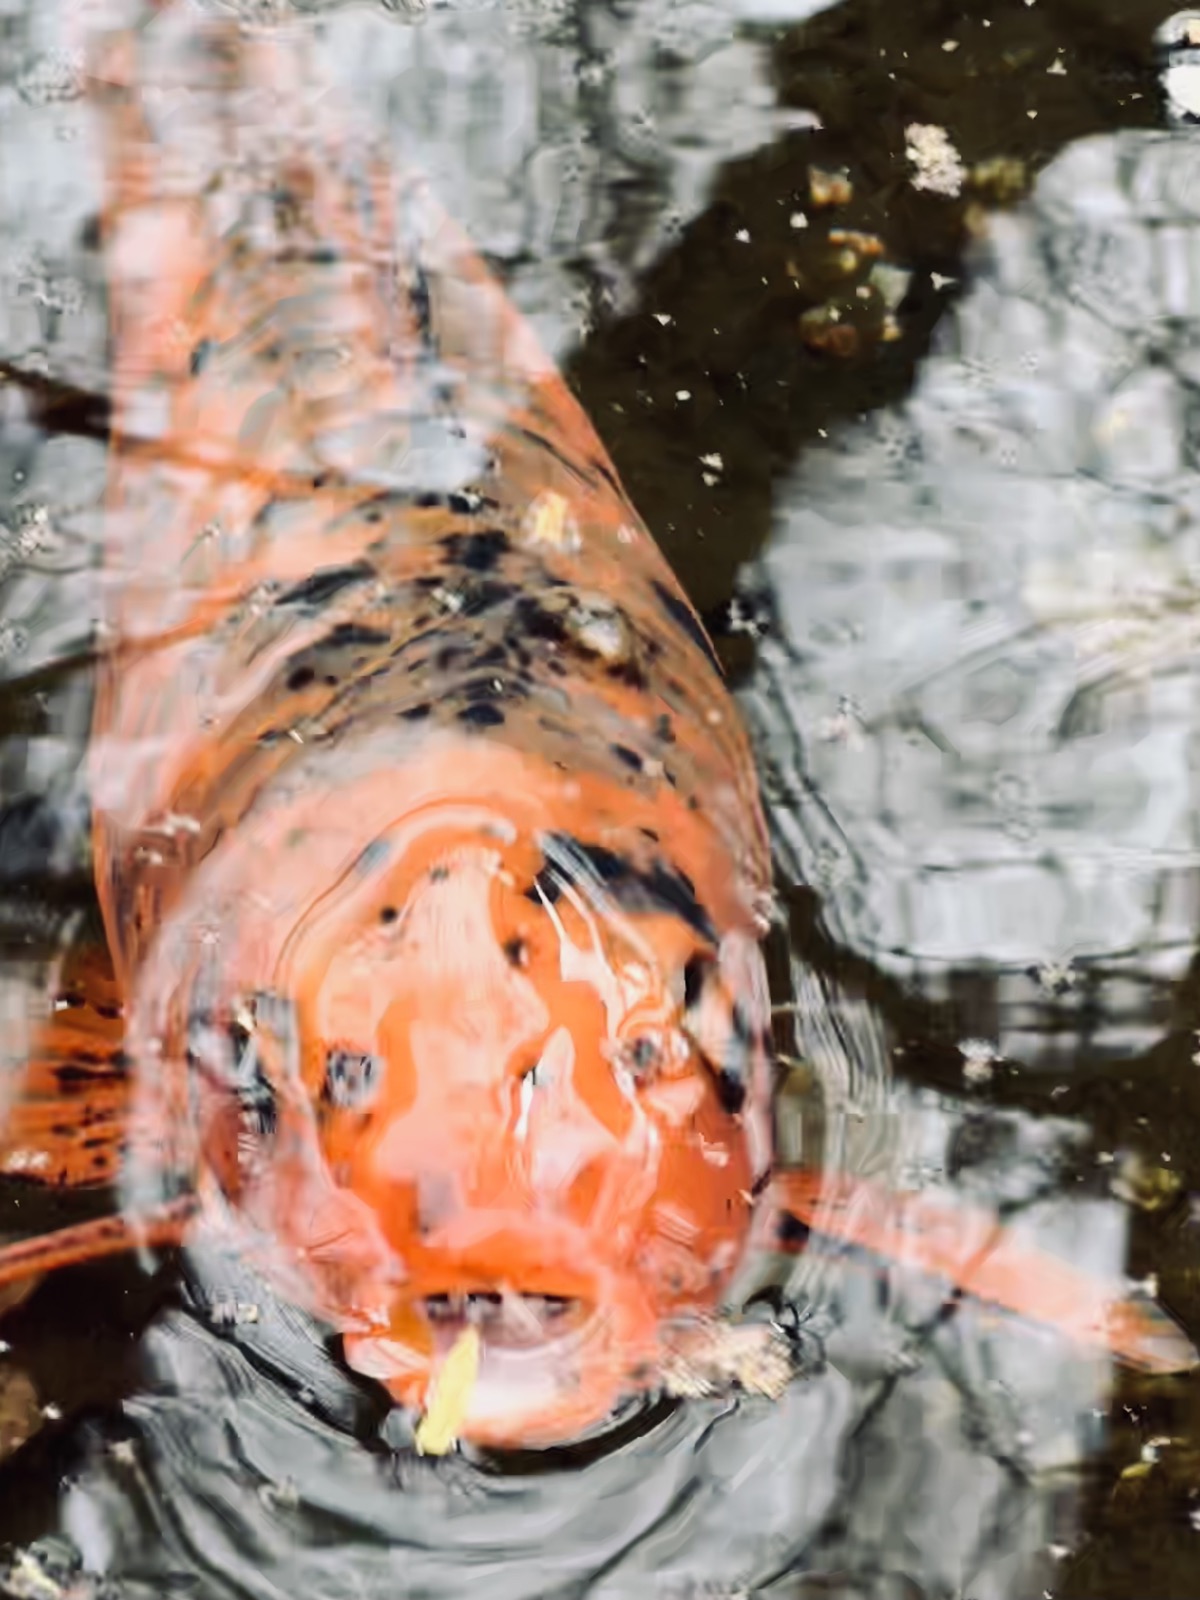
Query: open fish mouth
{"points": [[505, 1318], [547, 1365]]}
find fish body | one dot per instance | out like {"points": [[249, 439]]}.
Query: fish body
{"points": [[427, 839], [426, 836]]}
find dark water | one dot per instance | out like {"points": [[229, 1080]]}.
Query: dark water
{"points": [[949, 472]]}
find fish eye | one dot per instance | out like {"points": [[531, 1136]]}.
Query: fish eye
{"points": [[352, 1079], [642, 1055]]}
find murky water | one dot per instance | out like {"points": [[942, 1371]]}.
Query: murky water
{"points": [[922, 444]]}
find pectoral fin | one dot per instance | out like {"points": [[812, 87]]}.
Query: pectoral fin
{"points": [[980, 1255]]}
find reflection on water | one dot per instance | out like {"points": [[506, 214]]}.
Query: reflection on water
{"points": [[974, 700]]}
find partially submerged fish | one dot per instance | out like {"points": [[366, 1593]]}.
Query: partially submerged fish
{"points": [[426, 836]]}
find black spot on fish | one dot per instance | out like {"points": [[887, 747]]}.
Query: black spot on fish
{"points": [[352, 1079], [388, 914], [486, 595], [198, 359], [628, 672], [478, 552], [315, 255], [580, 473], [514, 951], [726, 1052], [791, 1232], [610, 867], [731, 1091], [415, 713], [352, 633], [72, 1079], [419, 298], [660, 887], [663, 729], [694, 974], [482, 714], [672, 888], [628, 756], [544, 887], [492, 656], [445, 658], [325, 583], [681, 614], [467, 504], [534, 621], [300, 678]]}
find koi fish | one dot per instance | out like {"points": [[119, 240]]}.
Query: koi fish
{"points": [[427, 839]]}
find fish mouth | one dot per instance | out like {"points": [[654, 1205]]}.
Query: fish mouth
{"points": [[504, 1318], [551, 1365]]}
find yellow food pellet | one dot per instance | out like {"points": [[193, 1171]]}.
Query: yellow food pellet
{"points": [[450, 1396]]}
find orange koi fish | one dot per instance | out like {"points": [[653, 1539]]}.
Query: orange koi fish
{"points": [[426, 837]]}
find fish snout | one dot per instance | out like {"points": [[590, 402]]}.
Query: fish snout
{"points": [[559, 1337]]}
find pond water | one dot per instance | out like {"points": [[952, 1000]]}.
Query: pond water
{"points": [[890, 319]]}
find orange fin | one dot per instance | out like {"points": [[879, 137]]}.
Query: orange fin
{"points": [[88, 1241], [66, 1118], [981, 1256]]}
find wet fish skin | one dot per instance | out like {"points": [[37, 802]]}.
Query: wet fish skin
{"points": [[426, 835]]}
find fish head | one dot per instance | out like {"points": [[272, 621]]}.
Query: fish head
{"points": [[547, 1091]]}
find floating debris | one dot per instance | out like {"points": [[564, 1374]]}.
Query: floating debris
{"points": [[233, 1313], [822, 328], [53, 79], [1144, 1184], [1177, 50], [20, 1412], [939, 166], [713, 1357], [979, 1060], [1000, 179], [890, 284], [828, 188]]}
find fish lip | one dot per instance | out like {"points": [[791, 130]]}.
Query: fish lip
{"points": [[507, 1318], [543, 1392], [460, 1276], [493, 1251], [493, 1309]]}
